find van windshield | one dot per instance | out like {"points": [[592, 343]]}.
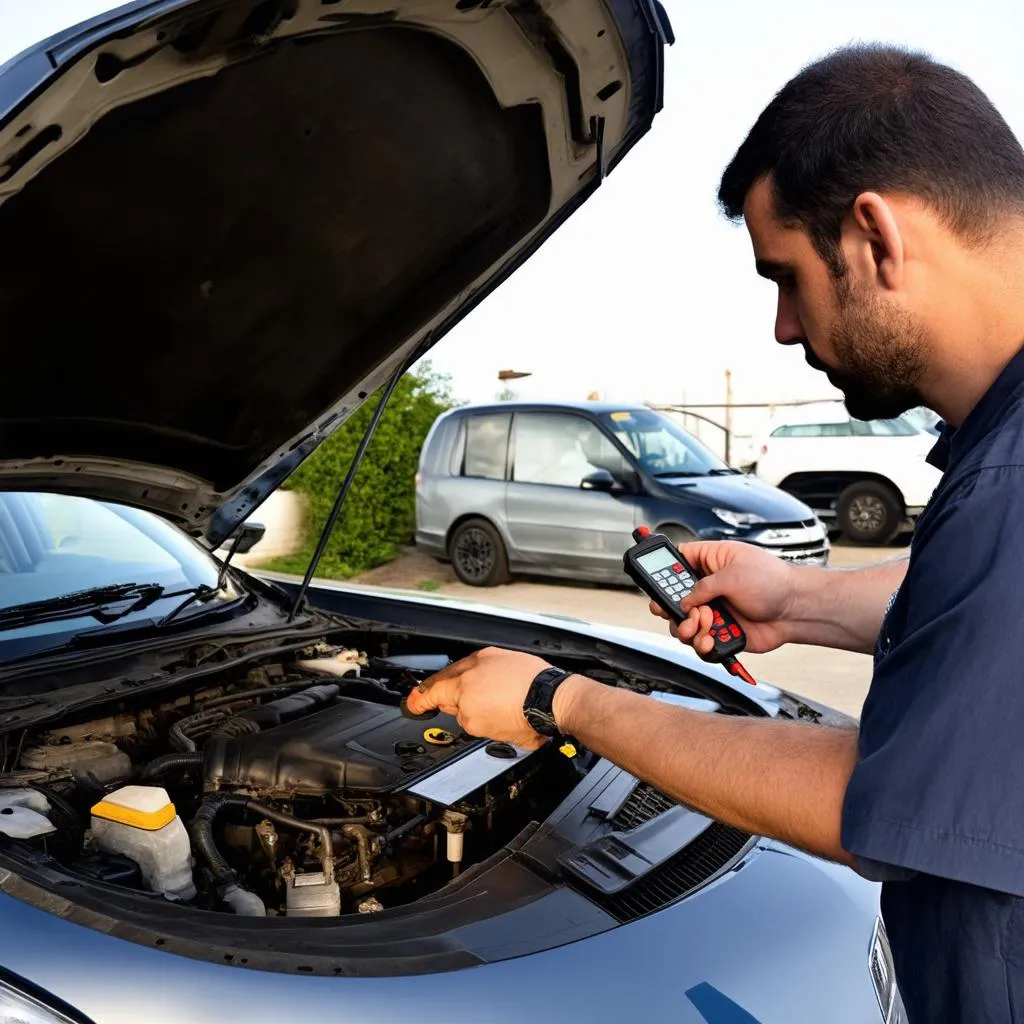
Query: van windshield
{"points": [[661, 446]]}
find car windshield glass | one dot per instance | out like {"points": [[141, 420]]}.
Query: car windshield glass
{"points": [[69, 564], [661, 446]]}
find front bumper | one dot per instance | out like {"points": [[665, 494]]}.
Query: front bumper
{"points": [[805, 543]]}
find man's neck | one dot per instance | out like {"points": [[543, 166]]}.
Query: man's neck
{"points": [[978, 324]]}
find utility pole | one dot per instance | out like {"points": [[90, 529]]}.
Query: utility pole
{"points": [[728, 417]]}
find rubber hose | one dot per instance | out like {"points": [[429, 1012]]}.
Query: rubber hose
{"points": [[201, 834], [167, 762], [289, 821]]}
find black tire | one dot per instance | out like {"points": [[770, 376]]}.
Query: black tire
{"points": [[679, 535], [869, 512], [478, 554]]}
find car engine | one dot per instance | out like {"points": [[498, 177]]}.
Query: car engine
{"points": [[297, 787]]}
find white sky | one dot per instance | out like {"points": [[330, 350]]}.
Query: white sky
{"points": [[646, 293]]}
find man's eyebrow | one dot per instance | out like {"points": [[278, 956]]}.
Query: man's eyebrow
{"points": [[772, 269]]}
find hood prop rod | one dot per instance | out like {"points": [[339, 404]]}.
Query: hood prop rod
{"points": [[332, 519]]}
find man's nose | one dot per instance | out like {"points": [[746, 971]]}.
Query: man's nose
{"points": [[788, 328]]}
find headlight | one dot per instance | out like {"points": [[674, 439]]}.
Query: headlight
{"points": [[727, 515], [883, 975], [18, 1007]]}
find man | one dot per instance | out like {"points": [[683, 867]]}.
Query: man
{"points": [[884, 196]]}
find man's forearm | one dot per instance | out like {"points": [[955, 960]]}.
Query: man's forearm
{"points": [[843, 608], [782, 780]]}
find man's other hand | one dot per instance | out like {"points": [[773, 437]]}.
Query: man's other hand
{"points": [[485, 692], [758, 587]]}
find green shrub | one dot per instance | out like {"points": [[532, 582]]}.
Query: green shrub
{"points": [[379, 514]]}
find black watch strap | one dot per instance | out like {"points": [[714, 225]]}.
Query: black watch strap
{"points": [[537, 707]]}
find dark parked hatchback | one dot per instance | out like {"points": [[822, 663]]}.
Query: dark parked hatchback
{"points": [[557, 488]]}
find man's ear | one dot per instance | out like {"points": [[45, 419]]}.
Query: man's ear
{"points": [[873, 242]]}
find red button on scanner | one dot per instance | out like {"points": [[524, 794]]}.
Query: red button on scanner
{"points": [[724, 636], [718, 620], [677, 567], [735, 630]]}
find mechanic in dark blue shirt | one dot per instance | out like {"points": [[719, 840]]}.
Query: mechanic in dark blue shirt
{"points": [[884, 195]]}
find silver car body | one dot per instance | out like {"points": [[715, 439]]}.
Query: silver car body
{"points": [[560, 528]]}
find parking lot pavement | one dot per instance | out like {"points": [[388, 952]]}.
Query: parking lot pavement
{"points": [[836, 678]]}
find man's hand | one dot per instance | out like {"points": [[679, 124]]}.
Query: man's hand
{"points": [[485, 692], [777, 603], [758, 587]]}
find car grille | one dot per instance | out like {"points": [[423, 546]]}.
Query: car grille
{"points": [[715, 848], [799, 552], [798, 547], [644, 803]]}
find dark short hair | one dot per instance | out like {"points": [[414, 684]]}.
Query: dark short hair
{"points": [[885, 119]]}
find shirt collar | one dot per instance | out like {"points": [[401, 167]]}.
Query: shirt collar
{"points": [[955, 442]]}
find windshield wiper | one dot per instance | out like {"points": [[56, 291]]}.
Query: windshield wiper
{"points": [[198, 593], [725, 471], [94, 602], [676, 472]]}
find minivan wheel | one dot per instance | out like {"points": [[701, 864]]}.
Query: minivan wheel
{"points": [[478, 554], [679, 535], [868, 512]]}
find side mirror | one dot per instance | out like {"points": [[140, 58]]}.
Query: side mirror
{"points": [[600, 480], [251, 534]]}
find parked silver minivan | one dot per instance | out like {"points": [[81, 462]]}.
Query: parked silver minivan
{"points": [[556, 489]]}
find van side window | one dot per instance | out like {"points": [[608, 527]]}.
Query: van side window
{"points": [[559, 449], [486, 445], [813, 430], [883, 428], [437, 453]]}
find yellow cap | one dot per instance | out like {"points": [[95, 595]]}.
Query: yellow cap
{"points": [[145, 807], [439, 737], [568, 749]]}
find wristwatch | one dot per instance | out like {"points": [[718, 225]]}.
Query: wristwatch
{"points": [[537, 707]]}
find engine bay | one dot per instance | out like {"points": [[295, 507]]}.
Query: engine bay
{"points": [[292, 787]]}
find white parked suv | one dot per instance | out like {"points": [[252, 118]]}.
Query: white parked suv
{"points": [[867, 479]]}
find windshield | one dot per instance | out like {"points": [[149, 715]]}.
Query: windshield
{"points": [[661, 446], [55, 545]]}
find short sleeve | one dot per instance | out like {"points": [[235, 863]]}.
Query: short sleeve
{"points": [[939, 783]]}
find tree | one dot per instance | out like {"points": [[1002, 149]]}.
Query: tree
{"points": [[379, 513], [506, 395]]}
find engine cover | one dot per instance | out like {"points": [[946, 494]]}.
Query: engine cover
{"points": [[352, 747]]}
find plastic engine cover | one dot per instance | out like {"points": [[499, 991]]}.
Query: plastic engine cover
{"points": [[353, 746]]}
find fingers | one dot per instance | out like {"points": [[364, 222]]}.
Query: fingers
{"points": [[695, 629], [437, 692], [706, 590]]}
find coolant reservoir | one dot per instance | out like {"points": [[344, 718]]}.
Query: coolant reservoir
{"points": [[24, 814], [140, 822]]}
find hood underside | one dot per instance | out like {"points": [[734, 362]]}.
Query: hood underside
{"points": [[225, 224]]}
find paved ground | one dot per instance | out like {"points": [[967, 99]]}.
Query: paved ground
{"points": [[836, 678]]}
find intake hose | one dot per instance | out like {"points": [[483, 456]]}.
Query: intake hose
{"points": [[201, 832], [167, 762]]}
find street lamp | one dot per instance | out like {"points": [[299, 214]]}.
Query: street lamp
{"points": [[513, 374]]}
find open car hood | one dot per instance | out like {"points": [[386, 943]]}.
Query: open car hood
{"points": [[224, 224]]}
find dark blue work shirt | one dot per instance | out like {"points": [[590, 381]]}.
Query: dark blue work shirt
{"points": [[936, 802]]}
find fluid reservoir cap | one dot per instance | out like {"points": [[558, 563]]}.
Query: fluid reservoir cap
{"points": [[439, 737], [145, 807]]}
